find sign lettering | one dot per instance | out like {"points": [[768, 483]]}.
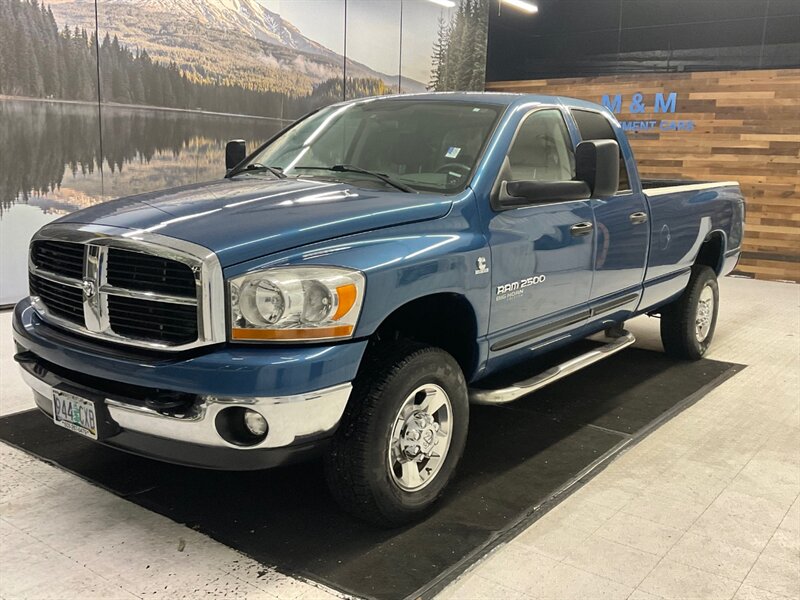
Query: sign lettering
{"points": [[638, 104]]}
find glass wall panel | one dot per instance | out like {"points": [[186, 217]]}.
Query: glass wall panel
{"points": [[178, 78], [373, 47], [49, 135]]}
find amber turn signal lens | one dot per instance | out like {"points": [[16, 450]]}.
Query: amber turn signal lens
{"points": [[347, 298], [287, 335]]}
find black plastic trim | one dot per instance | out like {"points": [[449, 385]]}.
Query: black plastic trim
{"points": [[612, 304], [539, 331]]}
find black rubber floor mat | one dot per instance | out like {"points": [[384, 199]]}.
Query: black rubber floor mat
{"points": [[518, 458]]}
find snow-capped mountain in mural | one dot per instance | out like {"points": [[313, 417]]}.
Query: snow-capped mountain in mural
{"points": [[227, 41]]}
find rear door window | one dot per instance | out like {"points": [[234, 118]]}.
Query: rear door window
{"points": [[594, 126]]}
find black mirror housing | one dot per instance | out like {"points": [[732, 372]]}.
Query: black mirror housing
{"points": [[514, 194], [235, 152], [597, 163]]}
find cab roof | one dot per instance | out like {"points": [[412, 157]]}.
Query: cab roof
{"points": [[501, 98]]}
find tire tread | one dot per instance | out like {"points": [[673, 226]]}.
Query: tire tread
{"points": [[349, 447], [678, 317]]}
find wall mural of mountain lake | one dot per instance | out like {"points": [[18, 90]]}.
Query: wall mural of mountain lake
{"points": [[50, 163], [178, 78]]}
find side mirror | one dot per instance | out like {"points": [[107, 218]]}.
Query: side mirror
{"points": [[597, 163], [514, 194], [235, 152]]}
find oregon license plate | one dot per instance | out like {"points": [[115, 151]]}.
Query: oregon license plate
{"points": [[75, 413]]}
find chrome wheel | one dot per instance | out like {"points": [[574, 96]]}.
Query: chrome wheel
{"points": [[420, 438], [705, 314]]}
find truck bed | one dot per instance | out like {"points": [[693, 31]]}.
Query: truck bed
{"points": [[649, 184], [661, 187]]}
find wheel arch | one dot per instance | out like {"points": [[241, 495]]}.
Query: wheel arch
{"points": [[712, 251], [446, 320]]}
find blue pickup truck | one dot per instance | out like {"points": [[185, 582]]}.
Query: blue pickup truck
{"points": [[348, 289]]}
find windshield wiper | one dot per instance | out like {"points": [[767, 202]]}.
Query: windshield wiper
{"points": [[354, 169], [259, 167]]}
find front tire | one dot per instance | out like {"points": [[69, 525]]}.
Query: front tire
{"points": [[688, 323], [401, 436]]}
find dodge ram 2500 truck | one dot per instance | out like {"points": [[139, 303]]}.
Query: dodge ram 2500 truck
{"points": [[346, 288]]}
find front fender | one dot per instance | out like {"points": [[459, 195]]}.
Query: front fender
{"points": [[402, 264]]}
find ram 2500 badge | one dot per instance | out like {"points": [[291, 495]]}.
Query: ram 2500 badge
{"points": [[347, 289]]}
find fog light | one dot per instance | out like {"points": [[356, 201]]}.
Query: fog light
{"points": [[241, 426], [256, 424]]}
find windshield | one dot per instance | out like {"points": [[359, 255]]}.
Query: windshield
{"points": [[416, 144]]}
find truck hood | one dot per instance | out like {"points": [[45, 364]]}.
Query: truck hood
{"points": [[253, 216]]}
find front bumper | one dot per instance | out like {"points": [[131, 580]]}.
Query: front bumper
{"points": [[141, 418]]}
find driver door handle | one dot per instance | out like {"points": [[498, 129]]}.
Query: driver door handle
{"points": [[638, 218], [582, 228]]}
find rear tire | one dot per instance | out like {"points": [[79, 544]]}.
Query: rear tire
{"points": [[390, 459], [687, 324]]}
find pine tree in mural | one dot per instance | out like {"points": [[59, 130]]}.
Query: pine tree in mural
{"points": [[439, 58], [37, 60], [459, 52]]}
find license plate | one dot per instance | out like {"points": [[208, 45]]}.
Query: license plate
{"points": [[75, 413]]}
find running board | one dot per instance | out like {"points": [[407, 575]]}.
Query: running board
{"points": [[612, 345]]}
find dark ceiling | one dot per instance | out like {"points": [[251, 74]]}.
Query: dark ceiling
{"points": [[575, 38]]}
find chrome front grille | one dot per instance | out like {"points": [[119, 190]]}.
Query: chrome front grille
{"points": [[147, 290]]}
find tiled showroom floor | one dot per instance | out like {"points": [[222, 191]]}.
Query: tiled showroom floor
{"points": [[705, 507]]}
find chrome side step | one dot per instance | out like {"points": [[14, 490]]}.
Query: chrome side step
{"points": [[517, 390]]}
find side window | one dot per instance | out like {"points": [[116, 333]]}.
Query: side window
{"points": [[542, 150], [594, 126]]}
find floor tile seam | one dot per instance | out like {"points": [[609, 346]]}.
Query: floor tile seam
{"points": [[707, 572], [246, 584], [727, 486], [235, 576], [33, 459], [683, 534], [631, 548], [298, 578], [502, 585], [654, 567], [9, 523], [571, 566], [84, 566], [764, 590], [478, 567], [762, 552], [765, 545]]}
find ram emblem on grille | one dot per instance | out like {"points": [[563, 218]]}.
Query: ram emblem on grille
{"points": [[89, 288]]}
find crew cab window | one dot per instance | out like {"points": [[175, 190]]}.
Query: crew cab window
{"points": [[542, 150], [594, 126]]}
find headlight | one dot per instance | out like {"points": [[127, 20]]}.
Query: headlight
{"points": [[296, 304]]}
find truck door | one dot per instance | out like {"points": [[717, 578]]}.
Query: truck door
{"points": [[622, 229], [541, 265]]}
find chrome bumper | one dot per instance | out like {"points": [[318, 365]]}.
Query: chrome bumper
{"points": [[291, 419]]}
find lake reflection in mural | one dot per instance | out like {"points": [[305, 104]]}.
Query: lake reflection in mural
{"points": [[50, 163]]}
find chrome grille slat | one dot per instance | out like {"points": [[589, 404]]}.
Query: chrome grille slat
{"points": [[64, 301], [115, 291], [118, 316], [60, 258], [129, 317], [62, 279], [165, 316], [133, 288], [139, 271]]}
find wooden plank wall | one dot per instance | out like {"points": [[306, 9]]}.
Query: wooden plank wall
{"points": [[747, 128]]}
